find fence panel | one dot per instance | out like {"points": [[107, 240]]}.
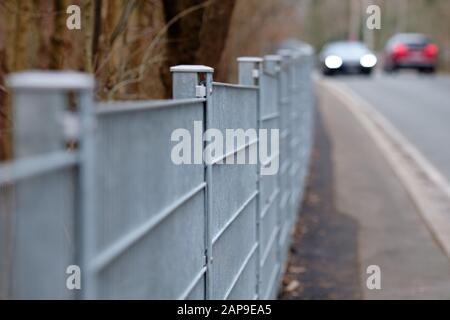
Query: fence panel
{"points": [[38, 190], [298, 139], [150, 211], [285, 155], [123, 190], [234, 241], [269, 184]]}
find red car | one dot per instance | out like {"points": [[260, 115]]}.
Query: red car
{"points": [[411, 51]]}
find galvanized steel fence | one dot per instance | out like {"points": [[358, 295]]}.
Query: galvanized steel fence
{"points": [[93, 185]]}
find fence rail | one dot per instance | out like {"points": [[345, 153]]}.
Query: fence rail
{"points": [[93, 185]]}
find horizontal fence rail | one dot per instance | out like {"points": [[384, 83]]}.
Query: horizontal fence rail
{"points": [[94, 186]]}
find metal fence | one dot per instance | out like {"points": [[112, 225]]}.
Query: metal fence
{"points": [[93, 185]]}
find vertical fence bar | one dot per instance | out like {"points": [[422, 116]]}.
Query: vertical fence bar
{"points": [[272, 65], [209, 189], [191, 81], [45, 221], [286, 160], [304, 120], [250, 71], [87, 191], [276, 62], [290, 55], [297, 127]]}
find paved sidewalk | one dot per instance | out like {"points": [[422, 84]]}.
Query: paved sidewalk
{"points": [[324, 261], [389, 231]]}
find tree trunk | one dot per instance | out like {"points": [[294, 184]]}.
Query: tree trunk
{"points": [[97, 32], [5, 147], [182, 37], [217, 17], [44, 23], [23, 22], [198, 37], [112, 46], [355, 21], [88, 26], [59, 42]]}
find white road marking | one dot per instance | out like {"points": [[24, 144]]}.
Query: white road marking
{"points": [[428, 188]]}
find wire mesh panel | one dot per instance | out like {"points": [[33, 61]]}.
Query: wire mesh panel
{"points": [[301, 151], [43, 236], [285, 161], [149, 218], [132, 200], [38, 197], [293, 143], [269, 184], [234, 192], [297, 127], [306, 103], [309, 102], [6, 215]]}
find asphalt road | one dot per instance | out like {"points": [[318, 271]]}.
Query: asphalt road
{"points": [[417, 105]]}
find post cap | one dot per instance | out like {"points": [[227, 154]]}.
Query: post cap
{"points": [[274, 58], [250, 59], [297, 54], [286, 53], [192, 69], [51, 80]]}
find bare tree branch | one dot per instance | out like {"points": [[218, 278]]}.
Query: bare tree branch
{"points": [[123, 21]]}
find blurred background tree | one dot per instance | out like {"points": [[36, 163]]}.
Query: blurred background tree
{"points": [[130, 44], [322, 21]]}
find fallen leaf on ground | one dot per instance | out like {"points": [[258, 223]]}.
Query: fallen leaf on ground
{"points": [[293, 286], [297, 270], [313, 199]]}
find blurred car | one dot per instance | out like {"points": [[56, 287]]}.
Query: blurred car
{"points": [[347, 57], [411, 51]]}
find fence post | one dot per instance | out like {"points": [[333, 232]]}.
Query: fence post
{"points": [[297, 127], [250, 71], [276, 62], [285, 162], [303, 130], [289, 63], [88, 189], [38, 100], [272, 67], [190, 82], [40, 103]]}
